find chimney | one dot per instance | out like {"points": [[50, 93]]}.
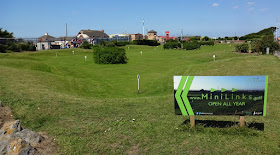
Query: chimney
{"points": [[46, 34], [102, 31]]}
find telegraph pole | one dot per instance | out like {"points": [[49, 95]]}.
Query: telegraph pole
{"points": [[181, 34], [277, 29], [143, 30], [65, 37]]}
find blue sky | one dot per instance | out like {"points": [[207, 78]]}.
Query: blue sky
{"points": [[214, 18]]}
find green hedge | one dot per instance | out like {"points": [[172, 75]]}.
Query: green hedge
{"points": [[171, 45], [191, 45], [86, 45], [109, 55], [211, 43], [145, 42], [122, 43]]}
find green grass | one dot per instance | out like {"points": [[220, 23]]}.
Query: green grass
{"points": [[89, 107]]}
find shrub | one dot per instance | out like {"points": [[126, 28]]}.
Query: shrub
{"points": [[110, 44], [145, 42], [2, 48], [267, 41], [244, 48], [122, 43], [211, 43], [171, 45], [86, 45], [259, 45], [195, 38], [23, 46], [14, 47], [109, 55], [191, 45], [171, 40]]}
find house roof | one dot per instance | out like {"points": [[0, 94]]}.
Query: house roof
{"points": [[65, 38], [94, 33], [152, 31], [46, 37]]}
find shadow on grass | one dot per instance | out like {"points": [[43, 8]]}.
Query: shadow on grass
{"points": [[225, 124]]}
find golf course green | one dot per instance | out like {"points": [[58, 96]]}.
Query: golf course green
{"points": [[94, 108]]}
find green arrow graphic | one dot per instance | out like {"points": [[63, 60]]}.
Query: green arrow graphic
{"points": [[185, 93], [233, 90], [212, 90], [178, 95], [223, 90]]}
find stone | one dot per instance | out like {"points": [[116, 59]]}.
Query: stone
{"points": [[30, 136], [20, 147], [8, 129]]}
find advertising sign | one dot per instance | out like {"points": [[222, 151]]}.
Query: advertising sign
{"points": [[220, 95]]}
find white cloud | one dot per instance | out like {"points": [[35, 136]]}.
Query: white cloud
{"points": [[263, 9], [235, 7], [215, 5], [250, 3], [251, 8]]}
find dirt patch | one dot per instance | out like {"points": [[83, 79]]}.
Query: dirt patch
{"points": [[47, 146], [133, 150], [5, 115]]}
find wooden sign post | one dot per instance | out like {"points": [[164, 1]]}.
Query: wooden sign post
{"points": [[192, 121], [242, 121]]}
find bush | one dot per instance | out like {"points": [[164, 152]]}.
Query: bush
{"points": [[244, 48], [86, 45], [171, 40], [2, 48], [145, 42], [267, 41], [196, 38], [14, 47], [211, 43], [259, 45], [122, 43], [109, 55], [23, 46], [171, 45], [191, 45]]}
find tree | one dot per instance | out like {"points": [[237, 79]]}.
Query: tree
{"points": [[5, 34], [206, 38], [260, 34]]}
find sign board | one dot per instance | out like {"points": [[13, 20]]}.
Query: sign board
{"points": [[138, 76], [220, 95]]}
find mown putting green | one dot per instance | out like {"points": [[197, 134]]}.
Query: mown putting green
{"points": [[93, 108]]}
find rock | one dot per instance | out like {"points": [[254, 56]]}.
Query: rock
{"points": [[30, 136], [20, 147], [15, 141], [9, 129], [3, 147]]}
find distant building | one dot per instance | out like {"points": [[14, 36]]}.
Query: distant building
{"points": [[152, 35], [64, 42], [92, 35], [45, 42], [120, 37], [138, 36]]}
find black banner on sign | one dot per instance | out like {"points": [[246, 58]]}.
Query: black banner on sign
{"points": [[220, 95]]}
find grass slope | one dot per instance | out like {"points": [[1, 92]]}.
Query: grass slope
{"points": [[89, 108]]}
